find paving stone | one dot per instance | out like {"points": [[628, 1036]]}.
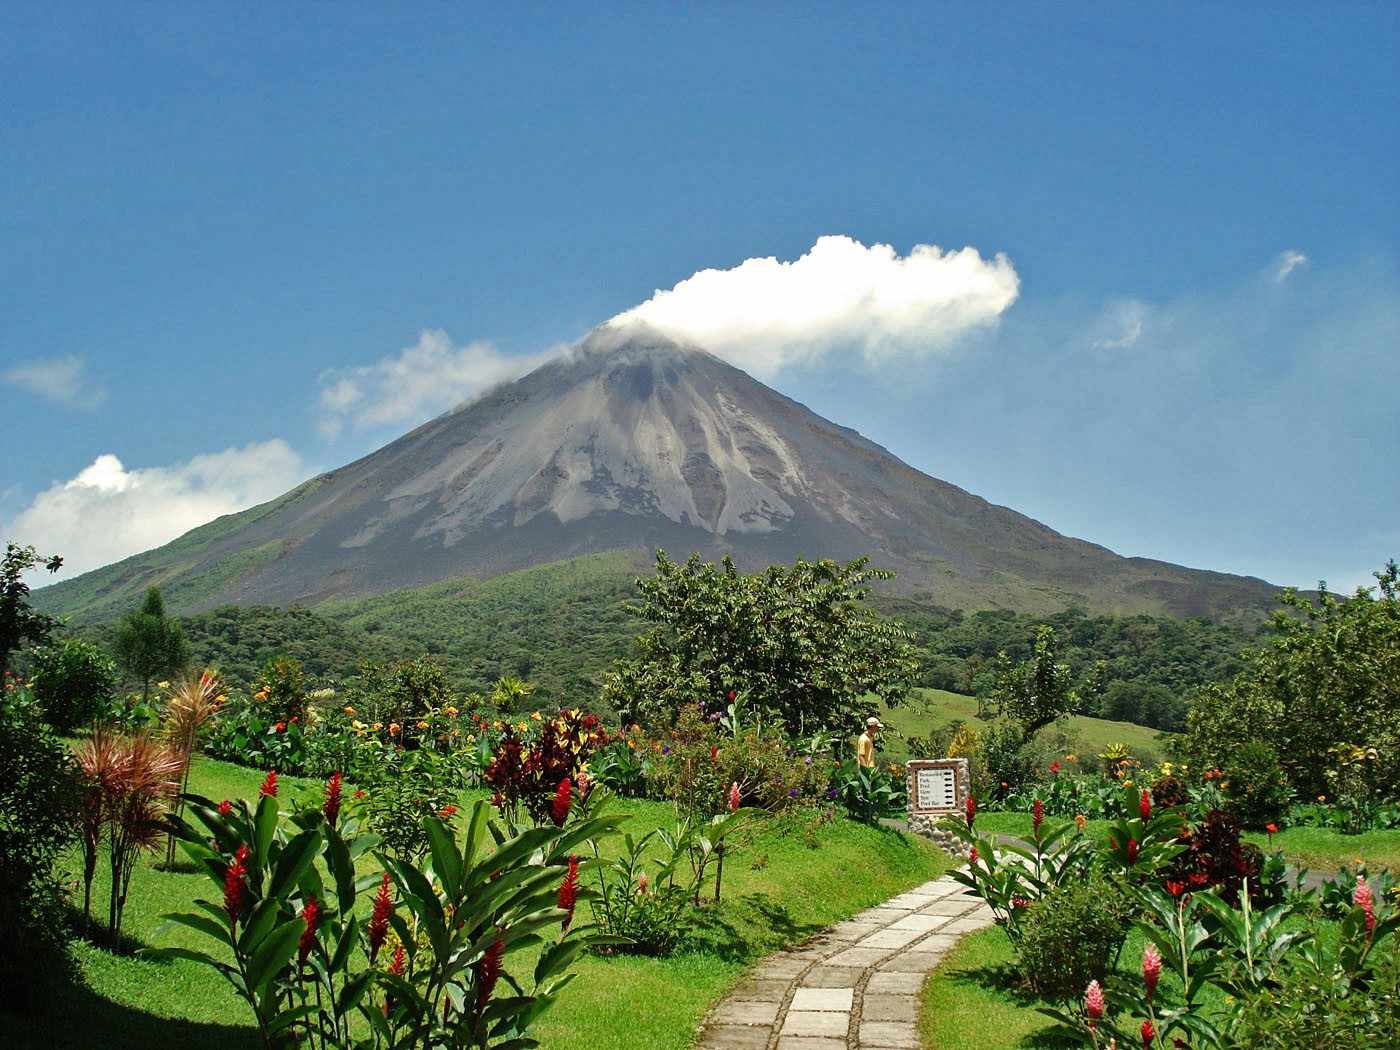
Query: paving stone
{"points": [[746, 1013], [852, 930], [734, 1037], [920, 922], [887, 982], [882, 915], [832, 977], [889, 1008], [947, 906], [781, 966], [810, 1042], [888, 1034], [966, 925], [822, 999], [816, 1022], [912, 962], [760, 989], [858, 957], [890, 938]]}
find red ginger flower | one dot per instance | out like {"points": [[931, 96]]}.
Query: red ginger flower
{"points": [[331, 807], [1176, 887], [446, 812], [225, 808], [488, 972], [970, 807], [396, 966], [1145, 806], [379, 918], [1093, 1002], [1054, 768], [568, 892], [563, 799], [235, 884], [269, 785], [1271, 828], [280, 727], [730, 696], [311, 916], [1364, 899], [734, 797], [1132, 851], [1149, 1033], [1037, 814], [1151, 969], [972, 857]]}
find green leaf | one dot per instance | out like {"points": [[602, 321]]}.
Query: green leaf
{"points": [[262, 919], [447, 862], [264, 827], [296, 857], [276, 951], [342, 869], [185, 953], [205, 925]]}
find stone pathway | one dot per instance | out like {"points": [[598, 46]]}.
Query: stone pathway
{"points": [[856, 985]]}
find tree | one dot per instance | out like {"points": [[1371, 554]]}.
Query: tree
{"points": [[72, 681], [792, 644], [19, 623], [1329, 678], [149, 644], [1037, 692]]}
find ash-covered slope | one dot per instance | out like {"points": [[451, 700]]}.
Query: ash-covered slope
{"points": [[634, 442]]}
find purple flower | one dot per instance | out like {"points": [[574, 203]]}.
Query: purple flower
{"points": [[807, 761], [792, 793], [831, 793], [665, 750]]}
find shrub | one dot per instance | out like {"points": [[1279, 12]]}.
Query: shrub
{"points": [[38, 811], [1074, 935], [403, 788], [867, 794], [1258, 790], [1310, 1009], [73, 682], [1216, 855], [526, 771]]}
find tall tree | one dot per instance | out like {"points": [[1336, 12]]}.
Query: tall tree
{"points": [[1035, 693], [149, 644], [20, 624]]}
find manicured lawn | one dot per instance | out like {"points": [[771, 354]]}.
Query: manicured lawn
{"points": [[930, 708], [1321, 849], [778, 889]]}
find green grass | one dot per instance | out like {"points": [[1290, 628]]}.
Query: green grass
{"points": [[928, 709], [1321, 849], [778, 890]]}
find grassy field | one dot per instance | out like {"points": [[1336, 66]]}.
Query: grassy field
{"points": [[930, 708], [771, 900]]}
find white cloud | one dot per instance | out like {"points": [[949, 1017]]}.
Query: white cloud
{"points": [[107, 512], [1286, 263], [1121, 325], [765, 314], [417, 383], [62, 379]]}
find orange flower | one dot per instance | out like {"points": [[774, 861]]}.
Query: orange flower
{"points": [[393, 729]]}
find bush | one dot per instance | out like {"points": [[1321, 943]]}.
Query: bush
{"points": [[38, 820], [73, 682], [1310, 1009], [867, 794], [1074, 935], [1258, 789]]}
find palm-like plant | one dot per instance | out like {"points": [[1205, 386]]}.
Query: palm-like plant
{"points": [[193, 703], [127, 779]]}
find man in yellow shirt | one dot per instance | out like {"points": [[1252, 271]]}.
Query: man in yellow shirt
{"points": [[865, 746]]}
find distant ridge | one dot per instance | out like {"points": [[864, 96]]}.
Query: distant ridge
{"points": [[630, 442]]}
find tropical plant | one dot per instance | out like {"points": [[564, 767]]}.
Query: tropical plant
{"points": [[867, 793], [149, 644], [315, 973], [20, 623], [1073, 934], [192, 704], [1035, 693], [73, 681]]}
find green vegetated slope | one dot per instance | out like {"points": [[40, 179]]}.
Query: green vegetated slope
{"points": [[929, 709], [622, 1003]]}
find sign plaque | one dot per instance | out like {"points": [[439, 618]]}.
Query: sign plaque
{"points": [[937, 785]]}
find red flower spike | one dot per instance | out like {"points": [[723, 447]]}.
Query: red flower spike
{"points": [[1176, 887], [236, 885], [734, 797], [331, 807], [1132, 852], [563, 799], [1145, 806], [379, 918], [311, 916], [972, 857], [1149, 1033], [1151, 969], [970, 807], [225, 808], [568, 892], [1093, 1002], [1037, 815], [488, 972], [269, 785], [1364, 899], [396, 967], [730, 696]]}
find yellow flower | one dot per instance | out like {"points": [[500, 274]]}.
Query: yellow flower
{"points": [[536, 716], [349, 710], [422, 725], [357, 724], [520, 727], [451, 712], [377, 726], [471, 738], [162, 685]]}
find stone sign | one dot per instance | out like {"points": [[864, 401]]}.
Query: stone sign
{"points": [[937, 788]]}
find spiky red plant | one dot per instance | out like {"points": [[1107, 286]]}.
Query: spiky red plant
{"points": [[331, 807], [734, 797], [1037, 815], [269, 785], [311, 918], [1132, 851], [970, 809], [1151, 969], [563, 799], [1364, 899], [1145, 806], [379, 918], [236, 885], [488, 972], [568, 892], [1149, 1033], [1093, 1003]]}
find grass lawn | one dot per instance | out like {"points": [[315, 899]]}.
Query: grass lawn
{"points": [[778, 890], [928, 709], [1321, 849]]}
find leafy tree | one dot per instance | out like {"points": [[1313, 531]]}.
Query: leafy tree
{"points": [[72, 681], [19, 623], [509, 693], [796, 644], [149, 644], [1330, 676], [1037, 692]]}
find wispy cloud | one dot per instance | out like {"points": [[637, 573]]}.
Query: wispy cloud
{"points": [[1286, 263], [1121, 325], [107, 512], [60, 379], [765, 313], [415, 384]]}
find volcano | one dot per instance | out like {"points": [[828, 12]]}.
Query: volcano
{"points": [[631, 441]]}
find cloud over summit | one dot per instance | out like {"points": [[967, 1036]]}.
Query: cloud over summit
{"points": [[765, 313]]}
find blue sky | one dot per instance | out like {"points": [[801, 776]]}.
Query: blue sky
{"points": [[243, 246]]}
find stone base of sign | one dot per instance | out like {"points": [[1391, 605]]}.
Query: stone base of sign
{"points": [[927, 824]]}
